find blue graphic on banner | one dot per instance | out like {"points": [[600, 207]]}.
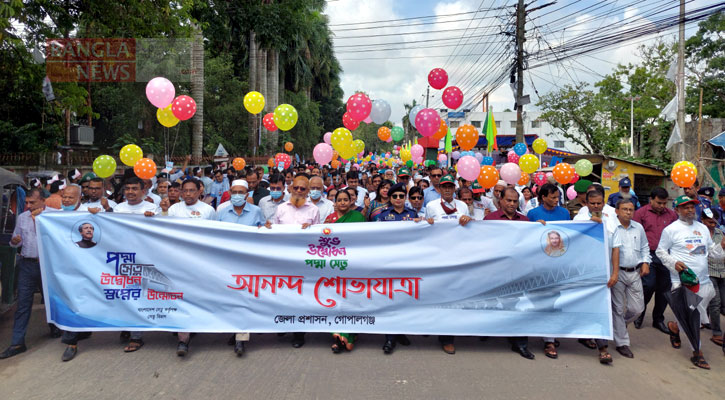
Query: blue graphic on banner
{"points": [[489, 278]]}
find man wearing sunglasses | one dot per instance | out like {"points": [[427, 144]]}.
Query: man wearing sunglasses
{"points": [[434, 191]]}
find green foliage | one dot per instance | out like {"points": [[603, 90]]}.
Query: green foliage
{"points": [[706, 52], [368, 133]]}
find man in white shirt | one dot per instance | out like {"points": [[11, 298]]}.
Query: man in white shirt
{"points": [[148, 184], [277, 195], [447, 208], [191, 207], [325, 206], [599, 210], [133, 190], [353, 182], [686, 244], [96, 199]]}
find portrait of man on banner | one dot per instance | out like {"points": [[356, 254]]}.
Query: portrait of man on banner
{"points": [[86, 230]]}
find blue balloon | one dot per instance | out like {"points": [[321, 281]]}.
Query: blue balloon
{"points": [[487, 160], [520, 149]]}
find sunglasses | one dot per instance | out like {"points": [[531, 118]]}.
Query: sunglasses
{"points": [[436, 175], [397, 196], [416, 197], [299, 188]]}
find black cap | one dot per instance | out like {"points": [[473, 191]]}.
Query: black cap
{"points": [[398, 187], [707, 191]]}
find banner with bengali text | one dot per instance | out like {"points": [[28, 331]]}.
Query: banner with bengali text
{"points": [[110, 272]]}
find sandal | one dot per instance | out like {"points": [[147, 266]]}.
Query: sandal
{"points": [[717, 340], [588, 343], [675, 340], [699, 362], [605, 357], [550, 350], [133, 345]]}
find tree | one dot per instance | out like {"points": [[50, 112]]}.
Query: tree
{"points": [[706, 52]]}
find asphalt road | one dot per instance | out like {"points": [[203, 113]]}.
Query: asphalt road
{"points": [[272, 369]]}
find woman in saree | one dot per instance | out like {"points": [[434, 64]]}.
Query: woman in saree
{"points": [[382, 200]]}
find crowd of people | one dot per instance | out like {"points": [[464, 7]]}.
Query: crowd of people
{"points": [[653, 242]]}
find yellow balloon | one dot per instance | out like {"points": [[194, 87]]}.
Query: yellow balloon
{"points": [[129, 154], [254, 102], [341, 139], [104, 166], [539, 146], [358, 145], [285, 117], [166, 117], [347, 153], [405, 155], [687, 164], [529, 163]]}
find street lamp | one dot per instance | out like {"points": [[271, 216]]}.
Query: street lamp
{"points": [[631, 122]]}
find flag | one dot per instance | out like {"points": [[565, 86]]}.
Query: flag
{"points": [[491, 132], [449, 141], [669, 113], [674, 137]]}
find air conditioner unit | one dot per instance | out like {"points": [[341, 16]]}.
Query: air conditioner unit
{"points": [[81, 134]]}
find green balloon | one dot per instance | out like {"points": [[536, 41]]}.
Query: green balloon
{"points": [[397, 133], [409, 163]]}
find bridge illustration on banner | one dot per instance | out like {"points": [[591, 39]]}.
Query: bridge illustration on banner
{"points": [[536, 292]]}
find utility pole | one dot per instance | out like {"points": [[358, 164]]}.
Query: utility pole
{"points": [[427, 96], [681, 83], [631, 122]]}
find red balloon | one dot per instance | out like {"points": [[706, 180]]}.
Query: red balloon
{"points": [[438, 78], [283, 158], [268, 122], [540, 178], [359, 107], [349, 122], [183, 107], [452, 97]]}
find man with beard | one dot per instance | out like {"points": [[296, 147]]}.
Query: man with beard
{"points": [[96, 199], [256, 193], [625, 185], [298, 210]]}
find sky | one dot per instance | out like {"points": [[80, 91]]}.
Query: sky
{"points": [[474, 46]]}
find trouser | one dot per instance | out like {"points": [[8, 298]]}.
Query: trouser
{"points": [[445, 340], [242, 337], [656, 283], [184, 336], [717, 304], [28, 282], [707, 292], [627, 304], [520, 342]]}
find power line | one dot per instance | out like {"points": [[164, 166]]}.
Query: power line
{"points": [[409, 18]]}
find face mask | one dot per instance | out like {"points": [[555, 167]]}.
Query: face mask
{"points": [[238, 199], [275, 194], [315, 194], [68, 208]]}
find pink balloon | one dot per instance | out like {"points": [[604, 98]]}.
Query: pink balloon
{"points": [[359, 106], [327, 137], [390, 139], [160, 92], [368, 120], [183, 107], [570, 193], [428, 122], [418, 160], [452, 97], [540, 178], [416, 151], [442, 158], [512, 157], [438, 78], [322, 153], [510, 172], [469, 168]]}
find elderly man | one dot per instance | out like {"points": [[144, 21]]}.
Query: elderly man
{"points": [[243, 213], [28, 271], [277, 195], [686, 244], [498, 192], [630, 259], [325, 206], [298, 210], [447, 208], [86, 230], [654, 218], [71, 200], [624, 193], [509, 204], [96, 199]]}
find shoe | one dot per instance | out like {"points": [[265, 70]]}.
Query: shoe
{"points": [[524, 352], [638, 321], [54, 331], [298, 340], [13, 351], [661, 327], [449, 348], [70, 353], [388, 347], [182, 349], [239, 348], [625, 351], [403, 340]]}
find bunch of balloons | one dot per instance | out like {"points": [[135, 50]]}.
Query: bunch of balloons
{"points": [[170, 110]]}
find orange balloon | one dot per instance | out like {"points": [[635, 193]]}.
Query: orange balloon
{"points": [[145, 168], [683, 176], [288, 146], [384, 133], [467, 137], [335, 164], [488, 177], [563, 173], [442, 131], [334, 155], [270, 163], [524, 179], [239, 163]]}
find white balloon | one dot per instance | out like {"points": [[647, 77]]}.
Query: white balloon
{"points": [[380, 111], [413, 113]]}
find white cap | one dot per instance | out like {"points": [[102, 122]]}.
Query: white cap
{"points": [[239, 182]]}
